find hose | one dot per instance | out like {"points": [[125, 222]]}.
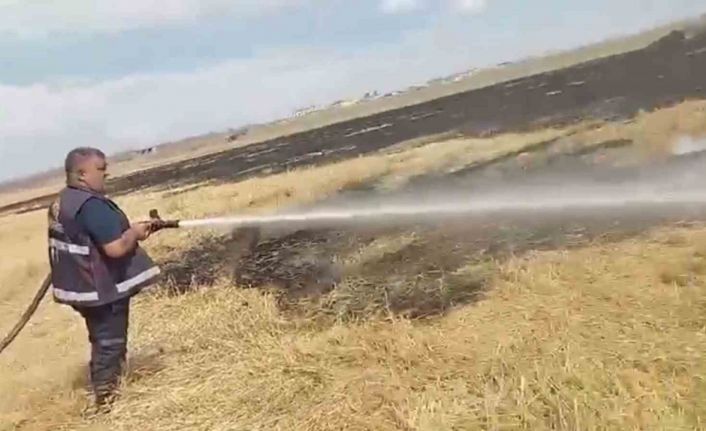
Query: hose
{"points": [[27, 314]]}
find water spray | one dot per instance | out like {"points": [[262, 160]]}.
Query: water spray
{"points": [[472, 207]]}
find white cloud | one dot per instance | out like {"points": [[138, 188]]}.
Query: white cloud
{"points": [[41, 18], [457, 6], [470, 6], [401, 6], [32, 18]]}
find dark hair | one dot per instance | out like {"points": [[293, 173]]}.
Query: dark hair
{"points": [[77, 155]]}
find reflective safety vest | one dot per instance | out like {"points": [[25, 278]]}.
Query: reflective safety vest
{"points": [[81, 273]]}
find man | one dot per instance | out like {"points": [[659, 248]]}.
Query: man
{"points": [[97, 264]]}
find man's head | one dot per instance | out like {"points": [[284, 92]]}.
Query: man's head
{"points": [[86, 167]]}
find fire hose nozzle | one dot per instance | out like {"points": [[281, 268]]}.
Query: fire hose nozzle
{"points": [[159, 224]]}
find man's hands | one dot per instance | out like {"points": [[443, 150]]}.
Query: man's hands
{"points": [[139, 231], [142, 229]]}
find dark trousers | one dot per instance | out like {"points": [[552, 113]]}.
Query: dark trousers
{"points": [[107, 331]]}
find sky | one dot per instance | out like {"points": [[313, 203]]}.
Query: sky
{"points": [[135, 73]]}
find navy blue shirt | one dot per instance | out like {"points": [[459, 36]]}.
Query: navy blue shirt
{"points": [[100, 221]]}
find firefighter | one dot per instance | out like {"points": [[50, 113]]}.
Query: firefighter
{"points": [[97, 265]]}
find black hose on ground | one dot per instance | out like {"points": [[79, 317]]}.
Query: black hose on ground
{"points": [[27, 314]]}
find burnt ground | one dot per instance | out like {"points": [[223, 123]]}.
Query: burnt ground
{"points": [[667, 72], [449, 262], [430, 267]]}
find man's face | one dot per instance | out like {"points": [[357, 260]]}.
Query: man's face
{"points": [[93, 173]]}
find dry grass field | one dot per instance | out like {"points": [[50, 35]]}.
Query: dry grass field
{"points": [[608, 335]]}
